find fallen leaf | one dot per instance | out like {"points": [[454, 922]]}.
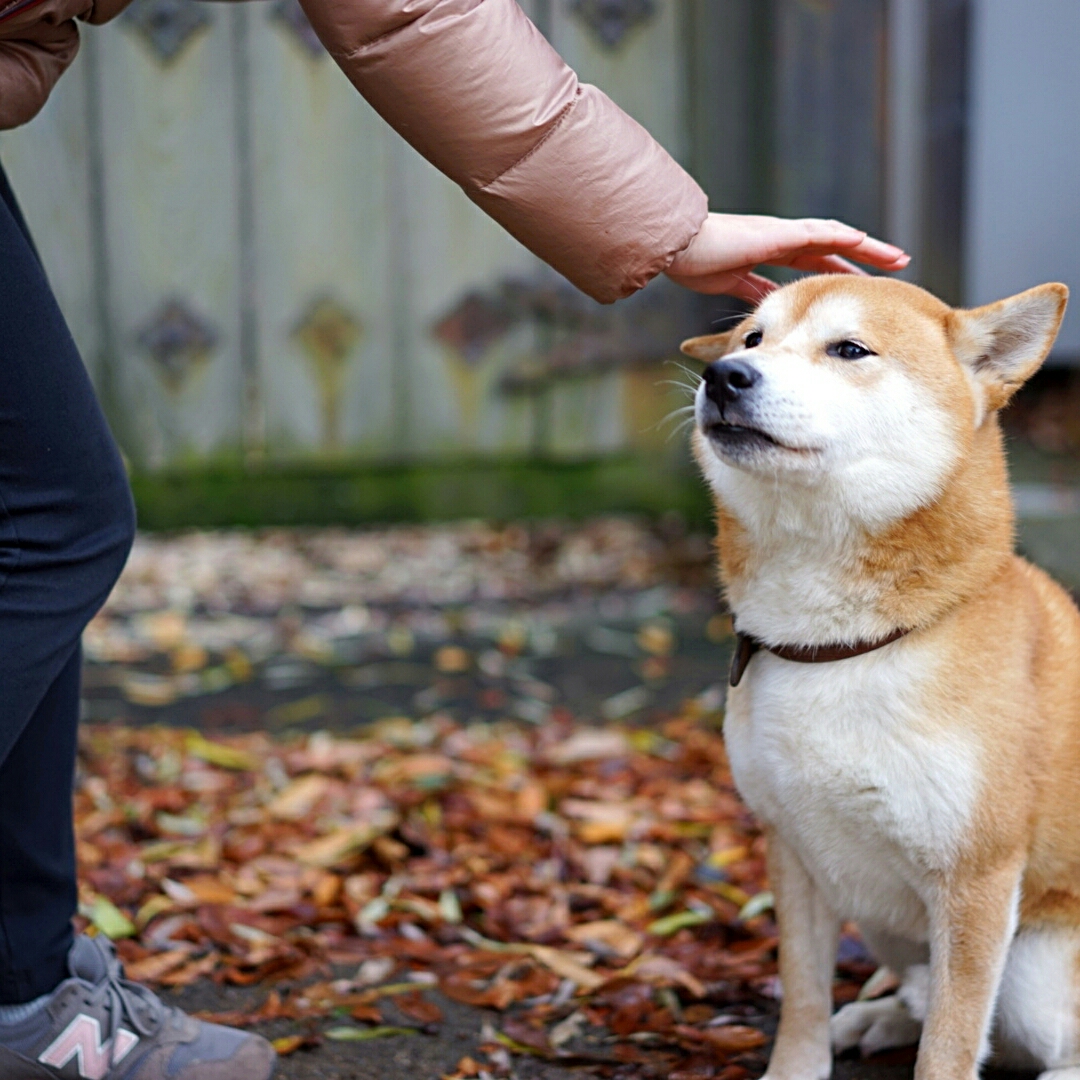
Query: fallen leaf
{"points": [[108, 918], [289, 1044], [756, 905], [298, 798], [672, 924], [337, 846], [416, 1007], [351, 1034], [589, 744], [609, 936], [227, 757], [151, 968]]}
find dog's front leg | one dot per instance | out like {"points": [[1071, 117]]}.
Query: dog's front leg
{"points": [[809, 930], [972, 922]]}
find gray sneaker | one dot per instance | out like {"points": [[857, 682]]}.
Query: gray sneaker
{"points": [[99, 1026]]}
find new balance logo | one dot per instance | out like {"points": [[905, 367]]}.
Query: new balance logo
{"points": [[81, 1040]]}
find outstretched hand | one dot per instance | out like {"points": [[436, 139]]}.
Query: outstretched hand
{"points": [[723, 255]]}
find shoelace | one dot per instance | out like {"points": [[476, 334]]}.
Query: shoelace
{"points": [[122, 998]]}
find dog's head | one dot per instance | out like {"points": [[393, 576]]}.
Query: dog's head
{"points": [[870, 386]]}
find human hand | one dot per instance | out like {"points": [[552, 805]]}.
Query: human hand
{"points": [[723, 255]]}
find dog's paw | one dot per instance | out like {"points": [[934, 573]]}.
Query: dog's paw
{"points": [[811, 1072], [800, 1060], [873, 1025], [914, 991]]}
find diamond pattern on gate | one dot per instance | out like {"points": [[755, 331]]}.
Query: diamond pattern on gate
{"points": [[166, 25], [178, 340], [612, 20], [327, 335]]}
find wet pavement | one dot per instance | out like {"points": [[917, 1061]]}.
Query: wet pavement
{"points": [[286, 630]]}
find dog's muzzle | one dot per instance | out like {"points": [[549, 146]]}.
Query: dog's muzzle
{"points": [[728, 382], [728, 403]]}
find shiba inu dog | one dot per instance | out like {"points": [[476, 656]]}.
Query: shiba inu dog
{"points": [[904, 717]]}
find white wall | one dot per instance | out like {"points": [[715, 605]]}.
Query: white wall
{"points": [[1023, 206]]}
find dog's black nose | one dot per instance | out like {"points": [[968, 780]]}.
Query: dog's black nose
{"points": [[725, 380]]}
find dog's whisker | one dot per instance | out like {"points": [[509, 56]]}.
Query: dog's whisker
{"points": [[680, 415], [759, 291], [688, 371], [690, 391], [679, 428]]}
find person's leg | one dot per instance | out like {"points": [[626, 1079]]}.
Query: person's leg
{"points": [[66, 525], [37, 845]]}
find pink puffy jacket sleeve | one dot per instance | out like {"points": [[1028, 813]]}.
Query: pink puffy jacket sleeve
{"points": [[476, 88]]}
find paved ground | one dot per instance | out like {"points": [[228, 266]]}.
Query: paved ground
{"points": [[430, 1057], [309, 629], [420, 1057]]}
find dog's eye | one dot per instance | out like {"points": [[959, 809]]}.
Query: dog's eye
{"points": [[753, 339], [849, 350]]}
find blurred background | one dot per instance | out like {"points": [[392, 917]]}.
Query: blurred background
{"points": [[292, 319]]}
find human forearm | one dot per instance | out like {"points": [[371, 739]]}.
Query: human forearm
{"points": [[480, 93]]}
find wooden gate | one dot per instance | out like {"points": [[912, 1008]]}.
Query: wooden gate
{"points": [[254, 265], [257, 269]]}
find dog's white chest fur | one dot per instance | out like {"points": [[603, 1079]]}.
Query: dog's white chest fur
{"points": [[840, 759]]}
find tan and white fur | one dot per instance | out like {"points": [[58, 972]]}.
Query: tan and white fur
{"points": [[930, 789]]}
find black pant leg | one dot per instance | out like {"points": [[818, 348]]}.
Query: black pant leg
{"points": [[66, 526], [37, 844]]}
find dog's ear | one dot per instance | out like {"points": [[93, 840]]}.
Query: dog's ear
{"points": [[709, 347], [1004, 343]]}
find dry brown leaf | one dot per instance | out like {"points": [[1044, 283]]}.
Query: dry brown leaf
{"points": [[652, 967], [153, 967], [610, 935], [337, 846], [480, 858], [589, 744], [567, 966], [297, 799]]}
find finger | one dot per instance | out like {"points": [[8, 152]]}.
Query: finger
{"points": [[829, 262], [827, 233], [878, 253], [744, 284], [818, 236], [826, 264], [780, 239]]}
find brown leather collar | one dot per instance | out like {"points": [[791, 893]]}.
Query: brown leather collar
{"points": [[746, 646]]}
